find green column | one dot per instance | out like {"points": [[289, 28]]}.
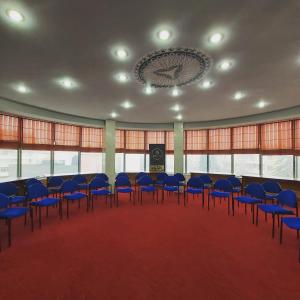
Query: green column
{"points": [[110, 149], [178, 147]]}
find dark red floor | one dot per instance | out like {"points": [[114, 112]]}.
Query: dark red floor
{"points": [[150, 252]]}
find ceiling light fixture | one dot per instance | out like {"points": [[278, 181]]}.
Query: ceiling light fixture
{"points": [[127, 104], [239, 96], [148, 90], [176, 92], [216, 38], [179, 117], [262, 104], [164, 35], [121, 53], [225, 65], [15, 15], [67, 83], [122, 77], [113, 114], [176, 107], [206, 84], [22, 89]]}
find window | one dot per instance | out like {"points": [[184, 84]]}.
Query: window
{"points": [[37, 132], [9, 128], [91, 162], [195, 140], [119, 162], [246, 164], [196, 163], [35, 163], [134, 162], [170, 163], [298, 167], [170, 141], [155, 137], [245, 137], [219, 139], [276, 136], [66, 135], [220, 164], [65, 162], [92, 138], [134, 140], [297, 134], [8, 163], [277, 166]]}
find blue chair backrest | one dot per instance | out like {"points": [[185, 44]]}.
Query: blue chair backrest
{"points": [[161, 176], [171, 181], [145, 180], [32, 181], [8, 188], [4, 201], [69, 186], [98, 183], [180, 176], [55, 181], [272, 186], [122, 175], [122, 181], [206, 179], [195, 182], [103, 176], [37, 190], [223, 185], [288, 198], [79, 179], [255, 190], [139, 175], [234, 181]]}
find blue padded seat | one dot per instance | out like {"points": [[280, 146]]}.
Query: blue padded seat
{"points": [[293, 223], [75, 196], [17, 199], [13, 212], [148, 188], [220, 194], [192, 190], [171, 188], [45, 202], [275, 209], [102, 192], [124, 190], [248, 200]]}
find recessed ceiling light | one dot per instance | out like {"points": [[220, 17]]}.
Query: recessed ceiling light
{"points": [[164, 35], [176, 107], [121, 53], [176, 92], [113, 114], [179, 117], [148, 90], [22, 89], [225, 65], [15, 15], [127, 104], [67, 83], [216, 38], [206, 84], [262, 104], [239, 95], [122, 77]]}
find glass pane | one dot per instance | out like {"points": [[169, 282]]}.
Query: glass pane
{"points": [[119, 162], [196, 163], [147, 162], [246, 164], [298, 167], [35, 163], [277, 166], [65, 162], [134, 162], [91, 162], [8, 163], [170, 163], [220, 164]]}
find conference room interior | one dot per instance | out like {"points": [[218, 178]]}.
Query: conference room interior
{"points": [[149, 149]]}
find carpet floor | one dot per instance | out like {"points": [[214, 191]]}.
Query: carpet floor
{"points": [[149, 252]]}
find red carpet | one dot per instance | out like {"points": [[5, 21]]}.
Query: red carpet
{"points": [[149, 252]]}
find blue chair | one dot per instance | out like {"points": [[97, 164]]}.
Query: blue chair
{"points": [[208, 183], [81, 181], [103, 176], [99, 187], [160, 178], [54, 183], [123, 186], [272, 189], [146, 185], [171, 185], [139, 176], [222, 189], [122, 174], [180, 177], [32, 181], [38, 194], [10, 189], [9, 213], [292, 223], [194, 186], [254, 194], [69, 191], [236, 183], [286, 198]]}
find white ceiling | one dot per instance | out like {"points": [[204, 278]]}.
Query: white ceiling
{"points": [[74, 38]]}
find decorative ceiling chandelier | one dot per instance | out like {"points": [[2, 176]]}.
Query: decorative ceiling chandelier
{"points": [[172, 67]]}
